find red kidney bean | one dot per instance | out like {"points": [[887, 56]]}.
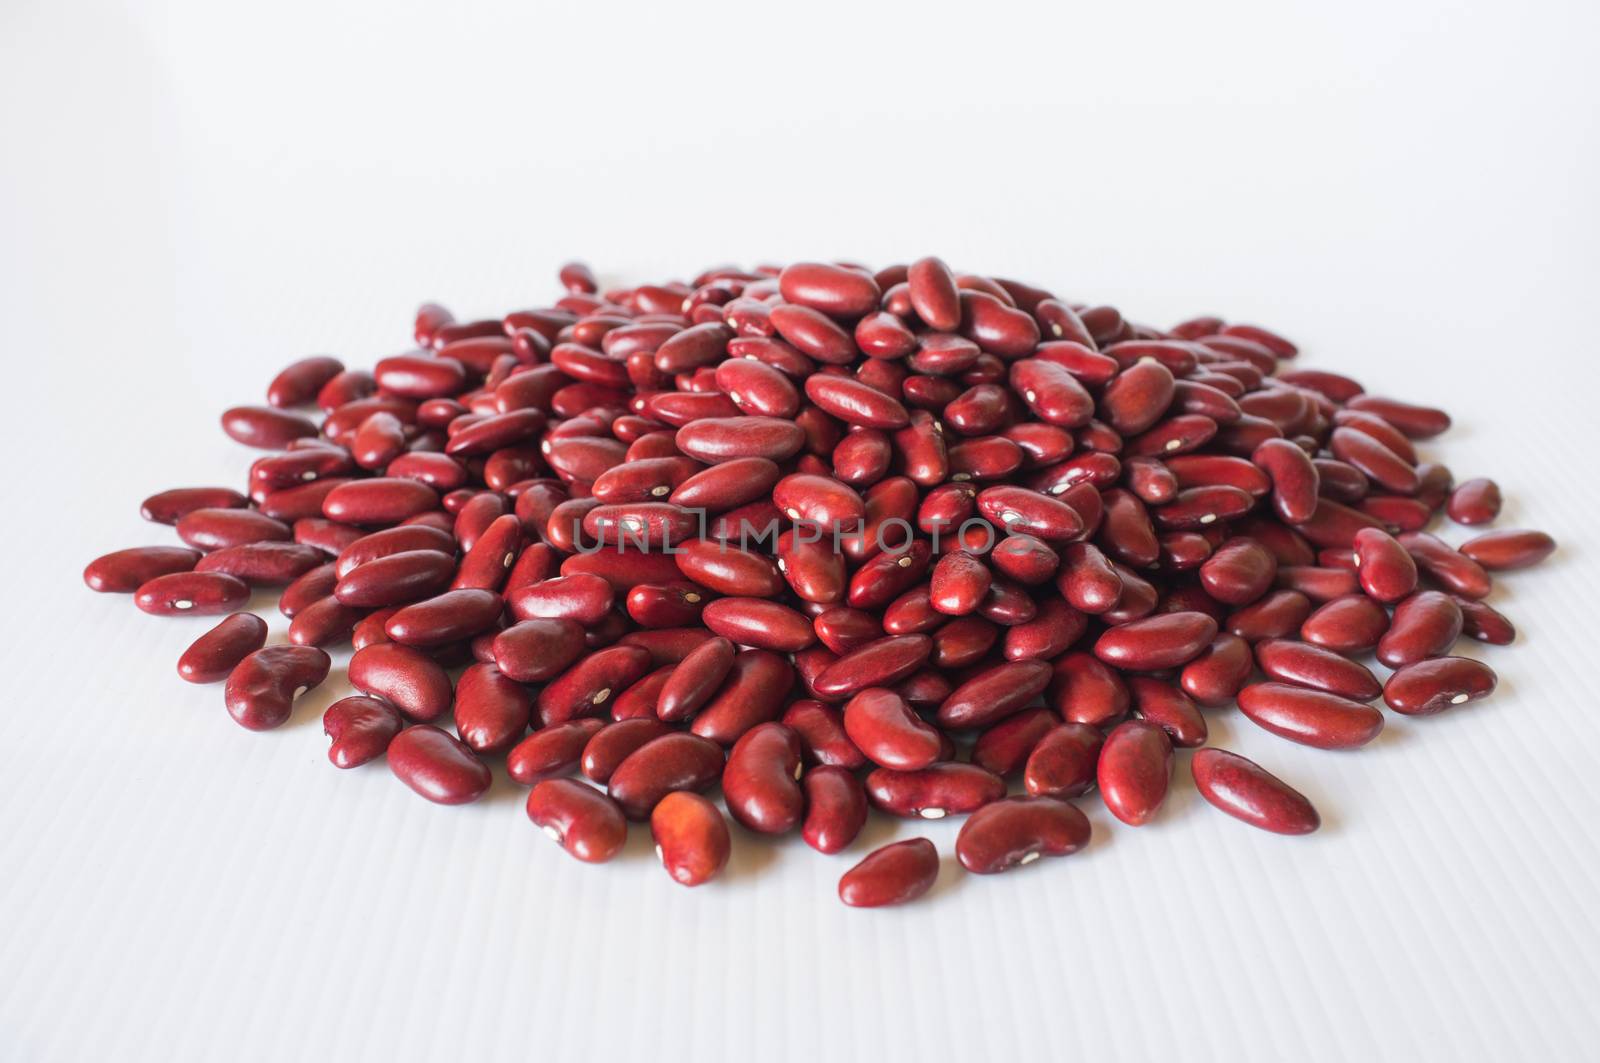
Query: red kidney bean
{"points": [[994, 693], [959, 583], [1238, 572], [1424, 625], [1382, 465], [1458, 573], [1499, 551], [491, 710], [539, 649], [1018, 831], [1387, 571], [894, 874], [691, 837], [589, 685], [361, 729], [1312, 666], [396, 579], [1168, 707], [437, 766], [1004, 748], [753, 693], [1310, 717], [823, 740], [582, 598], [265, 427], [935, 791], [761, 779], [609, 745], [1352, 624], [1214, 678], [1480, 622], [1426, 687], [639, 699], [216, 529], [213, 656], [411, 680], [191, 593], [1134, 770], [125, 571], [1018, 509], [382, 500], [449, 617], [551, 751], [727, 569], [579, 818], [881, 725], [836, 808], [171, 506], [672, 762], [760, 623], [1165, 641], [695, 679], [933, 294], [1247, 792], [1085, 690], [1475, 502], [262, 687], [1417, 422], [1065, 761], [1275, 616]]}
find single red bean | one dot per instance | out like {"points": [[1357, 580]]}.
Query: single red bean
{"points": [[893, 874], [125, 571], [414, 682], [1499, 551], [1310, 717], [214, 655], [1246, 791], [191, 593], [582, 598], [836, 808], [1312, 666], [579, 818], [262, 687], [265, 427], [1387, 571], [609, 745], [396, 579], [1065, 761], [881, 725], [588, 685], [696, 679], [382, 500], [933, 294], [1004, 747], [1085, 690], [761, 779], [1215, 677], [1485, 624], [1165, 641], [1275, 616], [1426, 687], [1168, 707], [1352, 624], [935, 791], [361, 729], [994, 693], [1417, 422], [551, 751], [691, 837], [1018, 831], [672, 762], [491, 710], [438, 766], [1134, 770], [171, 506], [822, 735], [449, 617], [1238, 572], [1458, 573], [760, 623], [1424, 625], [538, 649]]}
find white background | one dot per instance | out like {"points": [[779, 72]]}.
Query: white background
{"points": [[196, 193]]}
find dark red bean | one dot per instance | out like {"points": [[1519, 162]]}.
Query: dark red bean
{"points": [[1247, 792], [760, 780], [1457, 572], [822, 735], [491, 710], [1387, 571], [695, 679], [1485, 624], [213, 656], [1238, 572], [1424, 625], [672, 762], [1499, 551], [1426, 687], [691, 837], [1165, 641], [191, 593], [1321, 669], [1018, 831], [1168, 707], [266, 428], [1352, 624], [438, 766], [579, 818], [125, 571], [262, 687], [994, 694], [894, 874], [171, 506], [1214, 678], [881, 725], [1310, 717], [1475, 502], [414, 682], [1134, 770], [1065, 761], [361, 729], [1085, 690], [215, 529], [588, 686], [551, 751], [449, 617], [935, 791]]}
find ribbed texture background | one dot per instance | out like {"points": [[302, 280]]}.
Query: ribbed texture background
{"points": [[192, 199]]}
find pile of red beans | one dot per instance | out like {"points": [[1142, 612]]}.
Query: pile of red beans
{"points": [[832, 540]]}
